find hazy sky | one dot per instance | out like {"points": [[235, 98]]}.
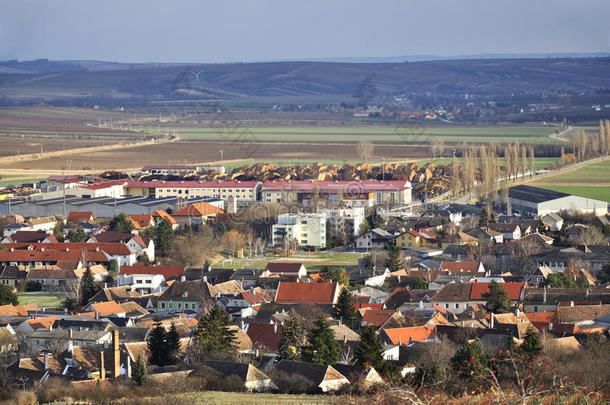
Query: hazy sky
{"points": [[254, 30]]}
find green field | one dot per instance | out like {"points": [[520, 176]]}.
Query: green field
{"points": [[524, 134], [313, 261], [42, 298], [591, 181]]}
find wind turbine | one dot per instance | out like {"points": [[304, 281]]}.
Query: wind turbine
{"points": [[197, 74]]}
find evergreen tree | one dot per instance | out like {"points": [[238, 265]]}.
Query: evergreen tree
{"points": [[164, 237], [139, 375], [216, 338], [531, 341], [335, 274], [158, 346], [77, 236], [471, 361], [344, 308], [395, 260], [7, 296], [497, 299], [88, 287], [419, 284], [120, 223], [57, 231], [483, 217], [369, 352], [560, 280], [604, 275], [291, 339], [322, 346], [173, 344]]}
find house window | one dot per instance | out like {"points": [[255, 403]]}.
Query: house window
{"points": [[148, 281], [535, 308], [170, 305], [193, 305], [447, 306], [457, 306], [179, 305], [163, 305]]}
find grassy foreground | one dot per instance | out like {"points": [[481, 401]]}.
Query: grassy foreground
{"points": [[226, 398], [42, 298]]}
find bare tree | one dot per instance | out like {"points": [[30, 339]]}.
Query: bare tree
{"points": [[233, 241], [365, 150], [591, 237]]}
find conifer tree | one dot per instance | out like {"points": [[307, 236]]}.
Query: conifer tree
{"points": [[497, 299], [157, 345], [344, 308], [139, 375], [214, 333], [120, 223], [471, 361], [291, 338], [483, 217], [88, 287], [369, 352], [395, 260], [164, 237], [322, 346], [173, 344], [531, 341]]}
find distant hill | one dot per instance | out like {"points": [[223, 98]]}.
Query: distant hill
{"points": [[65, 82]]}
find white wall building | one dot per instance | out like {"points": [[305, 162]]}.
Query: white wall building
{"points": [[308, 229], [348, 219]]}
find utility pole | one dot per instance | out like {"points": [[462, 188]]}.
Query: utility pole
{"points": [[383, 166], [222, 152]]}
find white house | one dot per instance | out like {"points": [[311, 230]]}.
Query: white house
{"points": [[309, 230], [142, 283]]}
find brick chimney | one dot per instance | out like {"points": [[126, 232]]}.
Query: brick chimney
{"points": [[116, 354]]}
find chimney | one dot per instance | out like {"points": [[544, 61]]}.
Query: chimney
{"points": [[275, 328], [399, 340], [517, 312], [116, 354], [183, 278], [491, 323], [544, 296], [345, 339], [587, 293], [46, 360], [205, 279], [421, 304], [128, 367], [550, 326], [102, 370], [571, 303]]}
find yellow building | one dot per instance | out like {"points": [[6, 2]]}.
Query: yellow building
{"points": [[415, 239]]}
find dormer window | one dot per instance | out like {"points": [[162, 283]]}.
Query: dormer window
{"points": [[185, 294]]}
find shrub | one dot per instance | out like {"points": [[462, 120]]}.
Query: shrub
{"points": [[294, 383], [32, 285]]}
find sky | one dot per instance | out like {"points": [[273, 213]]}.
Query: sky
{"points": [[256, 30]]}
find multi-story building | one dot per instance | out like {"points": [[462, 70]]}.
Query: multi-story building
{"points": [[242, 192], [309, 230], [345, 220], [350, 193]]}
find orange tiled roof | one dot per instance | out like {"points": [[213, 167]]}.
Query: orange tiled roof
{"points": [[80, 216], [42, 323], [460, 267], [141, 220], [108, 308], [403, 336], [377, 317], [201, 209], [164, 215], [18, 310]]}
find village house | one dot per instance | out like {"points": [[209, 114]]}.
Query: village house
{"points": [[374, 239], [509, 231], [11, 275], [297, 270], [324, 377], [414, 239], [196, 214], [552, 222], [136, 244], [183, 295], [254, 380]]}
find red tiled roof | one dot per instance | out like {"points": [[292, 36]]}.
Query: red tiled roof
{"points": [[376, 317], [403, 336], [192, 184], [201, 209], [91, 248], [331, 186], [513, 290], [142, 220], [80, 216], [168, 272], [540, 316], [31, 236], [460, 267], [265, 335], [316, 277], [293, 292]]}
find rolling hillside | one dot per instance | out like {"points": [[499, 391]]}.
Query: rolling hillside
{"points": [[103, 82]]}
